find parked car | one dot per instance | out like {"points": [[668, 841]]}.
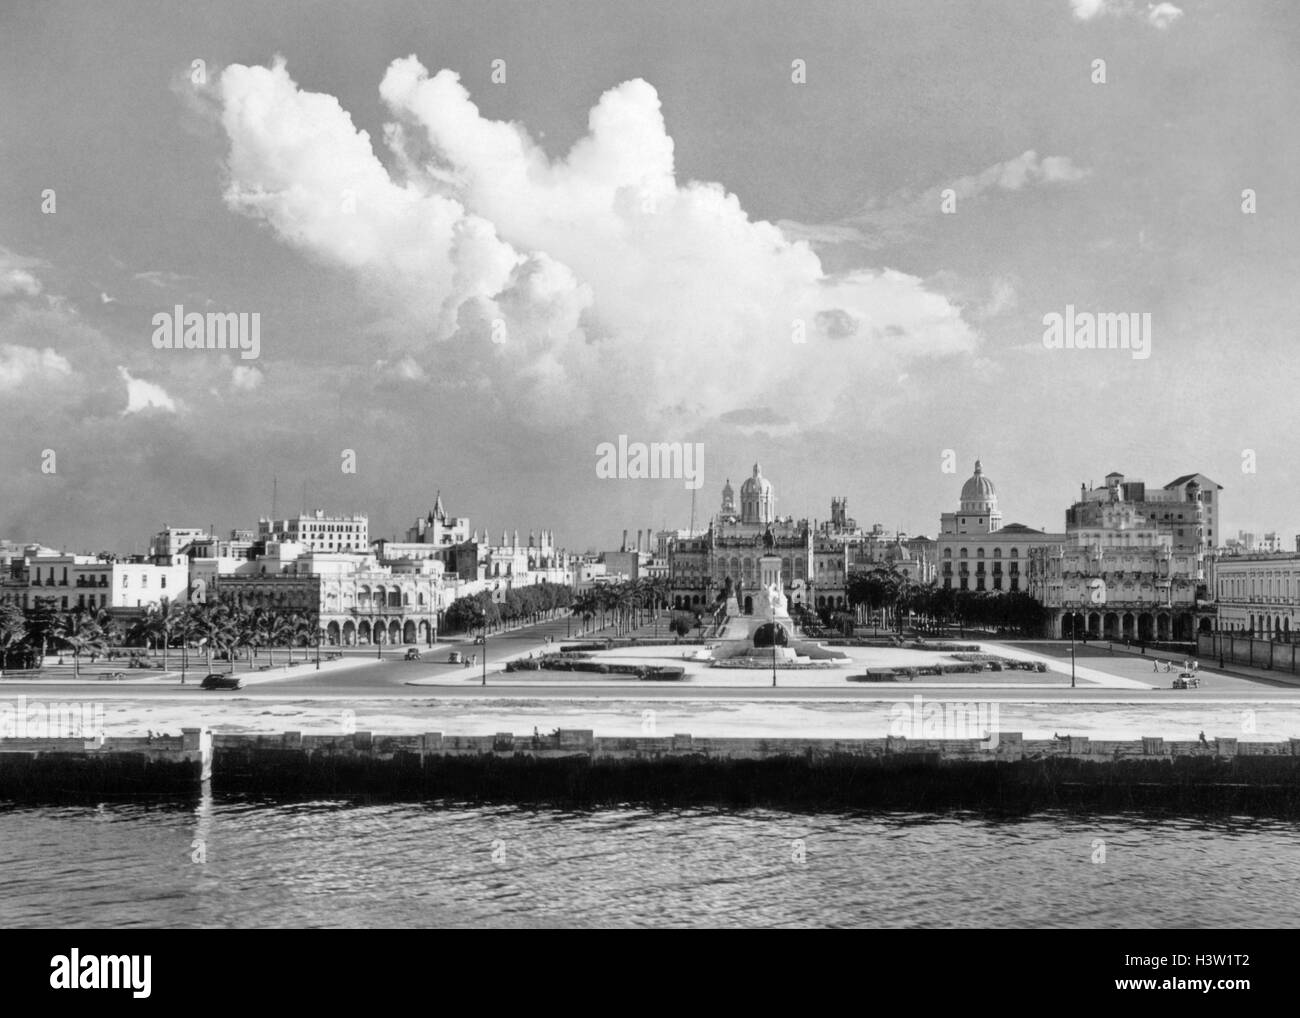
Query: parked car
{"points": [[221, 680]]}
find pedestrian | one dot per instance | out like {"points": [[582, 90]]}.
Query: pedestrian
{"points": [[1204, 740], [1155, 666]]}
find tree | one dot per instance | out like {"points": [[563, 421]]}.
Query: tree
{"points": [[78, 631], [110, 627], [211, 624], [41, 621], [13, 630], [585, 606], [161, 621]]}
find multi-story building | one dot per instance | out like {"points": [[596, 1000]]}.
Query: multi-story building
{"points": [[1122, 574], [318, 532], [704, 566], [170, 544], [1187, 508], [975, 551], [1258, 594], [91, 583], [240, 545], [356, 599]]}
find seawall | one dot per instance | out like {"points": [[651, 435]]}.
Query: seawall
{"points": [[574, 767], [91, 768]]}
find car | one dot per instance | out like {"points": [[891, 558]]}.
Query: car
{"points": [[1187, 680], [478, 639], [221, 680], [412, 654]]}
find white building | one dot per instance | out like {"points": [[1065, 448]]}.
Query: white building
{"points": [[975, 551], [1259, 594], [319, 532], [84, 581]]}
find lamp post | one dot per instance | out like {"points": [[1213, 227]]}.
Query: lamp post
{"points": [[1073, 622], [774, 655], [485, 625]]}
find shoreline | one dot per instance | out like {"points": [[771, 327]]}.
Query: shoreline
{"points": [[576, 767]]}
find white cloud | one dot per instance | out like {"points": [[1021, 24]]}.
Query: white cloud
{"points": [[16, 279], [1161, 15], [160, 277], [246, 378], [1085, 10], [895, 219], [407, 369], [22, 365], [142, 395], [1002, 297], [585, 283], [1015, 173]]}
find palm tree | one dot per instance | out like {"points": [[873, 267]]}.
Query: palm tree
{"points": [[585, 606], [41, 620], [298, 629], [161, 622], [627, 597], [212, 625], [81, 633], [110, 627], [13, 628], [280, 632]]}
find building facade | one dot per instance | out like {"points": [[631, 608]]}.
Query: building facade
{"points": [[319, 532], [1133, 565], [90, 583], [976, 552], [1258, 594]]}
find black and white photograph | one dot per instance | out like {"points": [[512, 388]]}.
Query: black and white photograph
{"points": [[650, 464]]}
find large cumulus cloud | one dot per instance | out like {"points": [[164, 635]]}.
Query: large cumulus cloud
{"points": [[589, 285]]}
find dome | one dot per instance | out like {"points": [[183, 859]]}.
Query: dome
{"points": [[756, 485], [979, 488]]}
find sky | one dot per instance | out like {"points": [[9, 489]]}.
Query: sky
{"points": [[482, 239]]}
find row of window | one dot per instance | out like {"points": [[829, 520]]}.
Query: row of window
{"points": [[1270, 583], [93, 581], [964, 583]]}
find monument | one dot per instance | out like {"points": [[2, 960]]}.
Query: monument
{"points": [[754, 640]]}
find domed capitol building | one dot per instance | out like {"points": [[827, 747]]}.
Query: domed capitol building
{"points": [[816, 560], [976, 551]]}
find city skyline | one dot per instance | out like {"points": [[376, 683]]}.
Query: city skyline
{"points": [[707, 509], [465, 253]]}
